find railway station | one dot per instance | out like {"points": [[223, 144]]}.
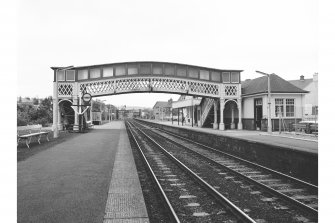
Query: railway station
{"points": [[225, 165]]}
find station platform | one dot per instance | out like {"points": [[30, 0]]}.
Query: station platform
{"points": [[91, 177], [291, 141]]}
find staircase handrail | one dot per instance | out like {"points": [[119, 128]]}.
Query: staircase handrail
{"points": [[208, 105]]}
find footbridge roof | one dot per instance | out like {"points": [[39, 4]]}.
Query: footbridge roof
{"points": [[145, 68]]}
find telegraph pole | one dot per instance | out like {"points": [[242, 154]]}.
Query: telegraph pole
{"points": [[269, 101]]}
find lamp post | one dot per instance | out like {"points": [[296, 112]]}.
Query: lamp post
{"points": [[102, 102], [269, 101], [55, 100]]}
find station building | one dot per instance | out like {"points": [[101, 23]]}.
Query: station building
{"points": [[287, 106]]}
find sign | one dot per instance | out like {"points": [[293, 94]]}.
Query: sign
{"points": [[86, 97]]}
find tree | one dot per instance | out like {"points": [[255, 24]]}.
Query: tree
{"points": [[28, 114], [35, 101]]}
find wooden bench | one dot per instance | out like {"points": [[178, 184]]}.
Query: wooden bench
{"points": [[300, 127], [30, 131], [89, 124]]}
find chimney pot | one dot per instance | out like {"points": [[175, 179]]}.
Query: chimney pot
{"points": [[302, 77], [315, 77]]}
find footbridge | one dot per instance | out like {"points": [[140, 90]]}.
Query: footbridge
{"points": [[70, 83]]}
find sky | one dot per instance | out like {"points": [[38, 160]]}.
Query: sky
{"points": [[271, 36]]}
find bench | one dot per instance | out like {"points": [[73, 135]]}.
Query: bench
{"points": [[30, 131], [89, 124]]}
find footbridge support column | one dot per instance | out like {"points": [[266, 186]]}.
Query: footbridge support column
{"points": [[55, 109], [239, 106], [222, 105], [91, 111], [59, 119], [76, 108], [215, 124], [232, 125], [76, 115]]}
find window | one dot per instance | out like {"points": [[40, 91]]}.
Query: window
{"points": [[235, 77], [259, 101], [226, 77], [82, 74], [204, 74], [70, 75], [290, 107], [315, 110], [279, 109], [107, 72], [120, 70], [157, 69], [61, 75], [95, 73], [216, 76], [145, 69], [193, 73], [132, 69], [181, 71], [169, 69]]}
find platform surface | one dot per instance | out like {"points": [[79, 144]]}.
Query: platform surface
{"points": [[306, 144], [89, 178]]}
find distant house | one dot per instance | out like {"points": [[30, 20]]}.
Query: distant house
{"points": [[26, 101], [162, 110], [311, 98], [29, 101], [287, 102]]}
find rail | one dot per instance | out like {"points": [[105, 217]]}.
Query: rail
{"points": [[173, 215]]}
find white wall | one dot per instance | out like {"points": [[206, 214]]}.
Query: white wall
{"points": [[248, 107], [311, 99]]}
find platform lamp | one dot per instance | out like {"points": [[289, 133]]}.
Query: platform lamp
{"points": [[269, 101], [55, 102]]}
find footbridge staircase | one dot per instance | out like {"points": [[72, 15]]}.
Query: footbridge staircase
{"points": [[206, 106]]}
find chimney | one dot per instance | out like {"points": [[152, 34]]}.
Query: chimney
{"points": [[315, 77], [302, 78]]}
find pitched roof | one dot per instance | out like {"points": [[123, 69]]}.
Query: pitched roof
{"points": [[164, 104], [301, 83], [277, 84]]}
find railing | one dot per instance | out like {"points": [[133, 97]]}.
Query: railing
{"points": [[310, 118], [140, 84], [209, 102]]}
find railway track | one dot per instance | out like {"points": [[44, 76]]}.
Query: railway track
{"points": [[186, 195], [276, 187]]}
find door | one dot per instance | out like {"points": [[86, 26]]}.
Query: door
{"points": [[258, 108]]}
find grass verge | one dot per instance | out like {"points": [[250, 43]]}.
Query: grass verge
{"points": [[24, 153]]}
